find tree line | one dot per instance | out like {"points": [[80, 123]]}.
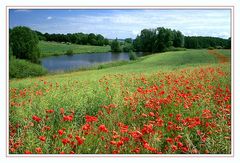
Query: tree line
{"points": [[164, 39], [75, 38], [200, 42]]}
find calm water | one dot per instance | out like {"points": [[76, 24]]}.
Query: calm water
{"points": [[64, 62]]}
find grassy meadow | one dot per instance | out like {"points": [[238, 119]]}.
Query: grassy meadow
{"points": [[54, 48], [165, 103]]}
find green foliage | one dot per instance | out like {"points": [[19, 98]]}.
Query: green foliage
{"points": [[228, 44], [200, 42], [76, 38], [210, 48], [128, 40], [19, 68], [158, 40], [127, 47], [24, 43], [132, 55], [69, 52], [115, 46]]}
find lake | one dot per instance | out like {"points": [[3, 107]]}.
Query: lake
{"points": [[65, 63]]}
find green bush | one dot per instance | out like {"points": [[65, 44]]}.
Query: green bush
{"points": [[69, 52], [19, 68], [24, 43], [210, 48], [218, 47], [132, 55], [115, 46]]}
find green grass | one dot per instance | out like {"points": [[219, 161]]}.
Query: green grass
{"points": [[84, 92], [54, 48], [152, 63], [225, 52], [19, 68]]}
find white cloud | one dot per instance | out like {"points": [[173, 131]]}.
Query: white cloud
{"points": [[129, 23]]}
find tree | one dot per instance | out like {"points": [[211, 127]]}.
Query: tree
{"points": [[163, 39], [24, 43], [178, 39], [115, 46], [147, 38], [228, 44]]}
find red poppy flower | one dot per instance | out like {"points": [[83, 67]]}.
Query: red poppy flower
{"points": [[65, 141], [60, 132], [50, 111], [42, 138], [86, 127], [38, 150], [68, 118], [103, 128], [91, 118], [28, 152], [79, 140], [36, 118]]}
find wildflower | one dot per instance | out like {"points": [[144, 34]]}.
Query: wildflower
{"points": [[79, 140], [184, 149], [38, 150], [103, 128], [169, 140], [42, 138], [147, 129], [136, 134], [151, 114], [136, 150], [61, 132], [174, 148], [36, 118], [120, 143], [28, 152], [68, 118], [148, 147], [50, 111], [123, 128], [91, 118], [113, 142], [179, 144], [86, 127], [125, 139], [65, 141]]}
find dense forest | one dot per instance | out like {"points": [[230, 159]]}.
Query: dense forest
{"points": [[75, 38], [164, 39]]}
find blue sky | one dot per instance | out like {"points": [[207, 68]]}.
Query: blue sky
{"points": [[123, 23]]}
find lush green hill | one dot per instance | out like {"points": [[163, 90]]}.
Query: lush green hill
{"points": [[54, 48]]}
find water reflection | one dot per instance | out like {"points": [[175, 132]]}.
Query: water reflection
{"points": [[64, 62]]}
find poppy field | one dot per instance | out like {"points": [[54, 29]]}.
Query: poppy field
{"points": [[171, 103]]}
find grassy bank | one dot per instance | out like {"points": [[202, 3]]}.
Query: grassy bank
{"points": [[166, 103], [54, 48]]}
